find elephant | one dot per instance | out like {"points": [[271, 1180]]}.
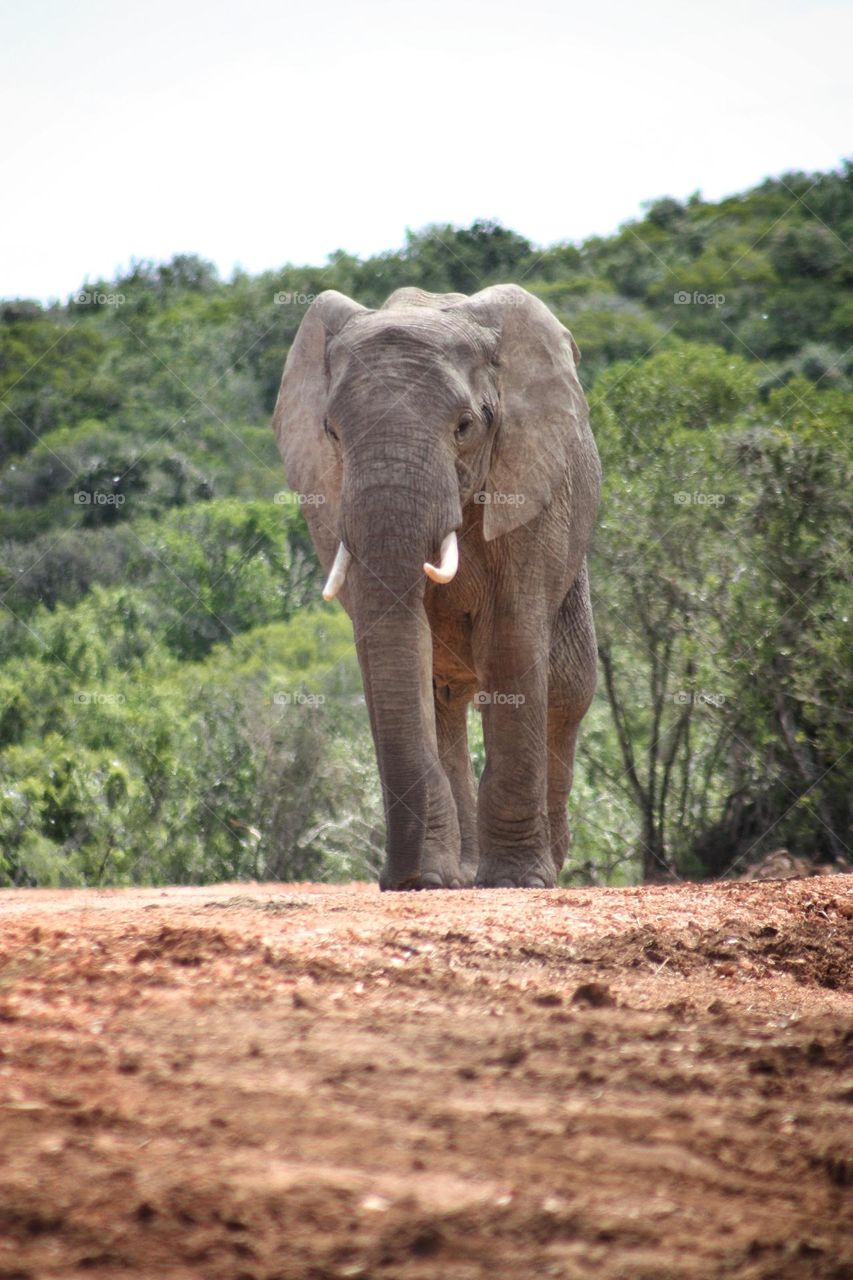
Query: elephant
{"points": [[441, 448]]}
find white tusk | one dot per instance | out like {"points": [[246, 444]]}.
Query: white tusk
{"points": [[446, 570], [338, 575]]}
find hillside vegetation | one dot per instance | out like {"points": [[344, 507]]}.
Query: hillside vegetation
{"points": [[177, 705]]}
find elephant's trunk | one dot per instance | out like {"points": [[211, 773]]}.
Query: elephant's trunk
{"points": [[443, 572], [395, 650], [391, 531], [399, 511]]}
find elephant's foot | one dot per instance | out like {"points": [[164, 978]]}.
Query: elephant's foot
{"points": [[429, 880], [433, 873], [515, 872], [438, 866], [526, 882], [468, 874]]}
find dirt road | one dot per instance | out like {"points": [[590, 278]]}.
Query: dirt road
{"points": [[305, 1081]]}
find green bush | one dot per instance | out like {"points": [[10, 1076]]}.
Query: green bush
{"points": [[175, 703]]}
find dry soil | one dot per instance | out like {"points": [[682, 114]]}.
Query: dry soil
{"points": [[311, 1081]]}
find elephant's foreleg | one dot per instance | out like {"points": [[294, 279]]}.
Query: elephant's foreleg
{"points": [[514, 835], [451, 717]]}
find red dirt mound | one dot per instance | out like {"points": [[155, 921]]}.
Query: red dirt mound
{"points": [[302, 1081]]}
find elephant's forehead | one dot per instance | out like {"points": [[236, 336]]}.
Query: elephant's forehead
{"points": [[414, 331]]}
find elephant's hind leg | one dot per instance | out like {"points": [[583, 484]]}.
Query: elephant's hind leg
{"points": [[451, 720], [571, 685], [562, 739]]}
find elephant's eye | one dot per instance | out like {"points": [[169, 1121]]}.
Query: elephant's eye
{"points": [[464, 425], [328, 430]]}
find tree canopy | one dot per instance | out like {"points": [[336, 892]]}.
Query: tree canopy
{"points": [[175, 704]]}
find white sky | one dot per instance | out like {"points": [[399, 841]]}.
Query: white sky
{"points": [[257, 133]]}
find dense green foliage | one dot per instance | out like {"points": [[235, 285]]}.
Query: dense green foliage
{"points": [[176, 706]]}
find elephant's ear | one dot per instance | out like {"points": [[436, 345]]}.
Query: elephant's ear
{"points": [[311, 463], [543, 410]]}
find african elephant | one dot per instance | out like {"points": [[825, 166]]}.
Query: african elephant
{"points": [[454, 429]]}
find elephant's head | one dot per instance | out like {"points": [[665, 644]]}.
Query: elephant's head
{"points": [[389, 422]]}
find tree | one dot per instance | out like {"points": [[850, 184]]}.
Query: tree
{"points": [[660, 569]]}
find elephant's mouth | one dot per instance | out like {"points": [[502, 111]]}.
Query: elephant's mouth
{"points": [[443, 572]]}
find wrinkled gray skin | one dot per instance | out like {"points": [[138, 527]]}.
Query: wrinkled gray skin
{"points": [[383, 423]]}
